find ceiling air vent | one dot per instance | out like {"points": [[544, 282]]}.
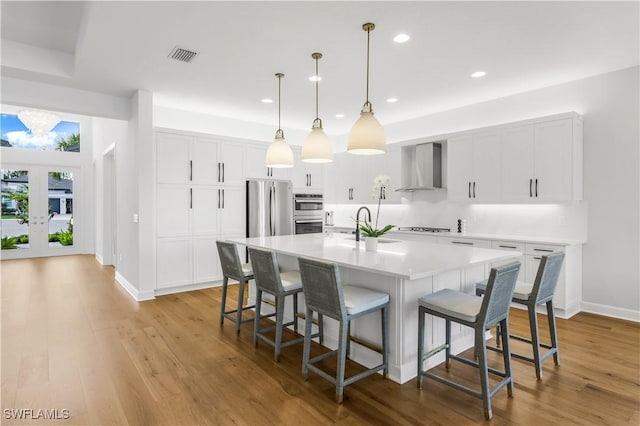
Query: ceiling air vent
{"points": [[183, 55]]}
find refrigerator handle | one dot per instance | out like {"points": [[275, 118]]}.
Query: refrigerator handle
{"points": [[273, 211]]}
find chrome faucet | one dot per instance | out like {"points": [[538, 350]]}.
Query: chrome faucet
{"points": [[358, 221]]}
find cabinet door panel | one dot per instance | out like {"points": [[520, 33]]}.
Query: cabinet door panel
{"points": [[232, 157], [173, 215], [552, 153], [172, 158], [460, 167], [517, 163], [254, 162], [486, 167], [205, 210], [205, 162], [173, 262], [206, 265], [232, 212]]}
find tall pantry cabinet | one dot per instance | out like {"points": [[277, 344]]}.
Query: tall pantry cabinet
{"points": [[199, 199]]}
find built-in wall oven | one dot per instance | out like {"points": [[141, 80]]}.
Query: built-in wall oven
{"points": [[308, 213]]}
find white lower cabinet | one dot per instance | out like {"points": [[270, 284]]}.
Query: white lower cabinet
{"points": [[461, 241], [512, 246], [206, 266], [173, 262]]}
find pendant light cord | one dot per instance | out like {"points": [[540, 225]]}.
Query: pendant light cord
{"points": [[317, 78], [279, 100], [368, 38]]}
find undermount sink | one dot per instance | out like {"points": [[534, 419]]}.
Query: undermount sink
{"points": [[380, 240]]}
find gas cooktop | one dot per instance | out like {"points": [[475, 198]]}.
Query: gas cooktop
{"points": [[423, 229]]}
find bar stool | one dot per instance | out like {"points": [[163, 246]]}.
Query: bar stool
{"points": [[479, 314], [531, 296], [232, 268], [325, 294], [270, 280]]}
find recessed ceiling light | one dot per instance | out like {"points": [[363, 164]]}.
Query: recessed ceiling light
{"points": [[392, 100], [315, 78], [267, 101], [339, 115], [401, 38], [478, 74]]}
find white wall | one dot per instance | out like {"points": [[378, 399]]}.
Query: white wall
{"points": [[610, 212]]}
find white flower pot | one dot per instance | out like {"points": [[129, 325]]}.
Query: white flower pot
{"points": [[371, 244]]}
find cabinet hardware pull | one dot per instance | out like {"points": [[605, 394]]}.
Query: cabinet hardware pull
{"points": [[223, 198], [462, 242], [469, 189], [537, 258], [536, 187], [530, 188], [190, 198], [223, 174], [510, 247], [190, 170], [218, 172], [218, 198], [545, 250], [474, 189]]}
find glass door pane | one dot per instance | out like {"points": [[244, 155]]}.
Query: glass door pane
{"points": [[60, 208], [15, 209]]}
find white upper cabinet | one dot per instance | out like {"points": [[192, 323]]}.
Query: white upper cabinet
{"points": [[474, 167], [255, 162], [231, 163], [542, 162], [204, 162], [307, 176], [173, 156]]}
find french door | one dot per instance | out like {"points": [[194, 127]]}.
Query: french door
{"points": [[39, 214]]}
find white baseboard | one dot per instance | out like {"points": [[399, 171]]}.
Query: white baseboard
{"points": [[99, 259], [611, 311], [183, 288], [138, 296]]}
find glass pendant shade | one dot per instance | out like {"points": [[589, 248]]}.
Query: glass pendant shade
{"points": [[279, 154], [39, 122], [366, 136], [317, 147]]}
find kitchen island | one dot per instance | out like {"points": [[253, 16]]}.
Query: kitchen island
{"points": [[406, 270]]}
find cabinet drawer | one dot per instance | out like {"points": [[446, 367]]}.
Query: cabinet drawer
{"points": [[464, 242], [542, 249], [508, 245]]}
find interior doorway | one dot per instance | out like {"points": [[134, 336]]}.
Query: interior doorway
{"points": [[109, 213]]}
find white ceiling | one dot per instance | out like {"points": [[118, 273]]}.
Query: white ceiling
{"points": [[123, 46]]}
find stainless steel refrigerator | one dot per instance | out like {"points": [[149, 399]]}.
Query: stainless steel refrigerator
{"points": [[269, 208]]}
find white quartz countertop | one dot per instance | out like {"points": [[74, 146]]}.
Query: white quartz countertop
{"points": [[408, 260], [494, 237]]}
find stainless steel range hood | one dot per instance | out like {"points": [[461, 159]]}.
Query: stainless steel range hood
{"points": [[422, 167]]}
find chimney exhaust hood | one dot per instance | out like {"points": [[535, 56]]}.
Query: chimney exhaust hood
{"points": [[422, 167]]}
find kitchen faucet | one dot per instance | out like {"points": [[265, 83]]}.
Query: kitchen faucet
{"points": [[358, 221]]}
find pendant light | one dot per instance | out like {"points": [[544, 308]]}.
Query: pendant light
{"points": [[367, 135], [279, 154], [317, 147], [37, 121]]}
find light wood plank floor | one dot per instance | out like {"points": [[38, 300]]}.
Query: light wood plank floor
{"points": [[73, 339]]}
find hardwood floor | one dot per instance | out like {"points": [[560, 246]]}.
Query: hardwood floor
{"points": [[73, 339]]}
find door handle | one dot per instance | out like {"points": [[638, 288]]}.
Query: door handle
{"points": [[190, 170], [218, 198], [469, 189], [474, 189], [530, 188], [223, 198], [309, 179], [218, 172], [536, 187], [223, 180], [190, 198]]}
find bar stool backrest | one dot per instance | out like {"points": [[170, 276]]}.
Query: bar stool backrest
{"points": [[229, 260], [322, 288], [266, 271], [547, 277], [497, 298]]}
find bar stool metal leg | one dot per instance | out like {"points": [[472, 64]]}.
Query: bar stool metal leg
{"points": [[223, 303], [241, 285], [256, 322], [552, 332], [535, 342], [481, 351], [385, 341], [506, 354], [279, 326], [342, 358], [421, 319], [306, 353]]}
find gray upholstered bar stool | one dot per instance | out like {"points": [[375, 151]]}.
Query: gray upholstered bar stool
{"points": [[270, 280], [541, 292], [325, 294], [234, 269], [479, 314]]}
